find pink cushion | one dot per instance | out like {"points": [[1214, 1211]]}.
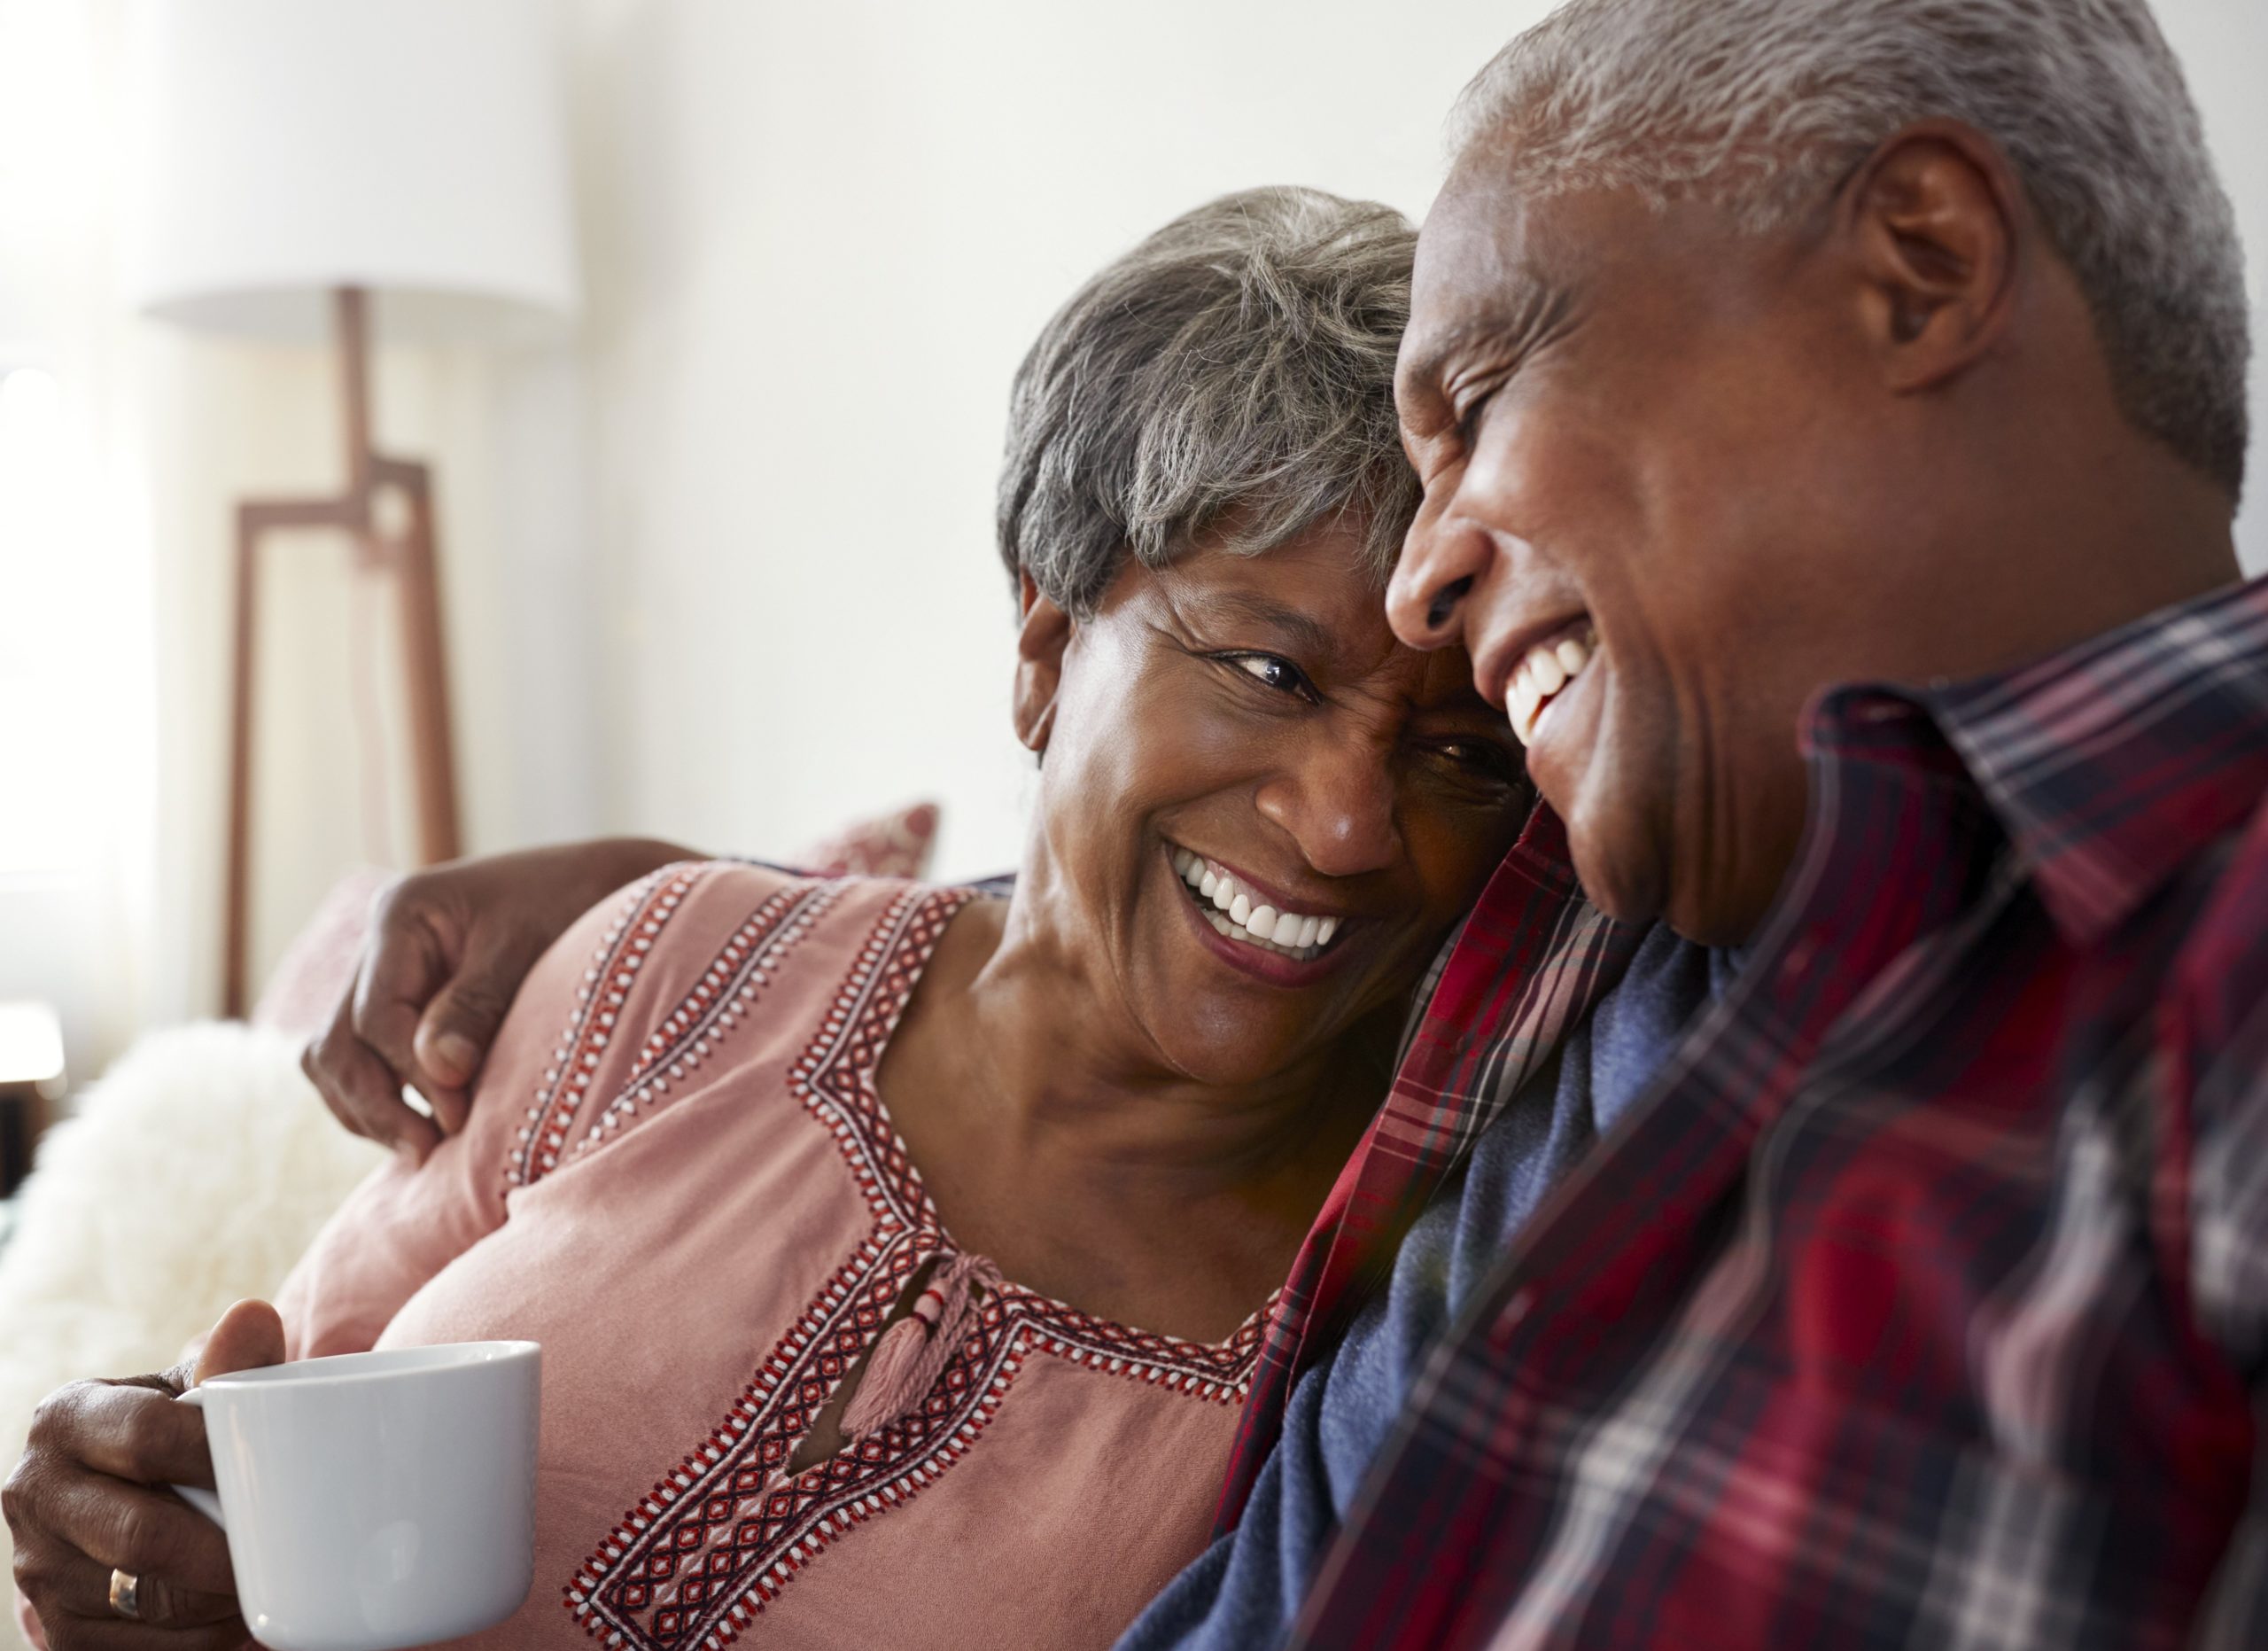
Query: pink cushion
{"points": [[317, 968], [895, 845]]}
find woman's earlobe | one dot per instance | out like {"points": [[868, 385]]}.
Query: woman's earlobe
{"points": [[1032, 727], [1040, 642]]}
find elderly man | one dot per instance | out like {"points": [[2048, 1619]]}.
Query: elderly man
{"points": [[1859, 383], [1831, 414]]}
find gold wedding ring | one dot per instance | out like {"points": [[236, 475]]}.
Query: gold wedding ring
{"points": [[125, 1589]]}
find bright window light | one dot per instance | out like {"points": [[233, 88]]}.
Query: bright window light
{"points": [[49, 771], [31, 1044]]}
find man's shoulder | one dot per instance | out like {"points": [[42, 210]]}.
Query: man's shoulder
{"points": [[2219, 979]]}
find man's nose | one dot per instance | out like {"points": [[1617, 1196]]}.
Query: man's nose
{"points": [[1442, 560], [1337, 806]]}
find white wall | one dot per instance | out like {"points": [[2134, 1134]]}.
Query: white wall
{"points": [[2223, 46], [721, 568], [821, 237]]}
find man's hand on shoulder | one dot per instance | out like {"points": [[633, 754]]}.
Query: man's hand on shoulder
{"points": [[447, 952]]}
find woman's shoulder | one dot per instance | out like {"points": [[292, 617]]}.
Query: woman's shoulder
{"points": [[682, 904], [697, 928], [697, 957]]}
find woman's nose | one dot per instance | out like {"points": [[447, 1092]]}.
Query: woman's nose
{"points": [[1441, 560], [1338, 806]]}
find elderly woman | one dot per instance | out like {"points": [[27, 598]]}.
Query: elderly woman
{"points": [[923, 1237]]}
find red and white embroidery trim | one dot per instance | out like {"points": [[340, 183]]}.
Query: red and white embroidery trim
{"points": [[719, 1537], [614, 968], [717, 1002]]}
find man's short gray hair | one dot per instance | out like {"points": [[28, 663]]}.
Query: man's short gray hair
{"points": [[1763, 105], [1230, 378]]}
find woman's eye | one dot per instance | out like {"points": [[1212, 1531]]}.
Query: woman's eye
{"points": [[1281, 675], [1484, 757]]}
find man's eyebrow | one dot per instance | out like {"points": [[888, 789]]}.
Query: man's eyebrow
{"points": [[1424, 373], [1529, 305]]}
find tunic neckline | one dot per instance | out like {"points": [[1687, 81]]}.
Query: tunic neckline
{"points": [[904, 960]]}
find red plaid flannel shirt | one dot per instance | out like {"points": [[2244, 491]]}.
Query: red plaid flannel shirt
{"points": [[1925, 1297]]}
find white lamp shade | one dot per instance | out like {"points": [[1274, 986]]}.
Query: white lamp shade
{"points": [[416, 148]]}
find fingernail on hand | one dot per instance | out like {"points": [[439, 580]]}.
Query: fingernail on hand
{"points": [[457, 1054]]}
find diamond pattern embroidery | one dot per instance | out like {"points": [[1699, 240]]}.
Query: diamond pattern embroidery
{"points": [[718, 1000], [715, 1541], [613, 969]]}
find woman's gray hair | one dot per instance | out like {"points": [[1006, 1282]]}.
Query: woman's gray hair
{"points": [[1764, 104], [1233, 379]]}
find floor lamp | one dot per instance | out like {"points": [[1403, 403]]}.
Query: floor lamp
{"points": [[395, 169]]}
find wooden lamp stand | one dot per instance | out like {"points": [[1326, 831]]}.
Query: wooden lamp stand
{"points": [[407, 554]]}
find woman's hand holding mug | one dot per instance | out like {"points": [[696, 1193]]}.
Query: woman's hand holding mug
{"points": [[89, 1498], [372, 1500]]}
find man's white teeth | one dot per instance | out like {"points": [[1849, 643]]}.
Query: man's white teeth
{"points": [[1239, 913], [1548, 667]]}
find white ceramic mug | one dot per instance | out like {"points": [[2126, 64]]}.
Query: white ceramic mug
{"points": [[377, 1500]]}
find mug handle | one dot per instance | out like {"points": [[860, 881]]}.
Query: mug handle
{"points": [[202, 1500]]}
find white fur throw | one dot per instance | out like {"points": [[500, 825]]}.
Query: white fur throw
{"points": [[193, 1175]]}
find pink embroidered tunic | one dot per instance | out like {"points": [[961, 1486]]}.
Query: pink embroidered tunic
{"points": [[680, 1180]]}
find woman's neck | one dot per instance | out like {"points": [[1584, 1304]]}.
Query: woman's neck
{"points": [[1074, 1077], [1054, 1137]]}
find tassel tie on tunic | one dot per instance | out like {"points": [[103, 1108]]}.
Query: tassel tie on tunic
{"points": [[913, 1353]]}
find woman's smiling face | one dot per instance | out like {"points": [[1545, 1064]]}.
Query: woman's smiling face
{"points": [[1235, 738]]}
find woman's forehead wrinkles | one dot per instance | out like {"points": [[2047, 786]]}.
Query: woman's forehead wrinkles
{"points": [[1318, 610], [1301, 629]]}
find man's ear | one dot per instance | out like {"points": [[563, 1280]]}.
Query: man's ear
{"points": [[1039, 664], [1934, 214]]}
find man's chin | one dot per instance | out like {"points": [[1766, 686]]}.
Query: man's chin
{"points": [[1631, 869], [1709, 922], [1640, 894], [1619, 878]]}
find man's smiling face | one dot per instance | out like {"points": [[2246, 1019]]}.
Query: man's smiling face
{"points": [[1634, 457]]}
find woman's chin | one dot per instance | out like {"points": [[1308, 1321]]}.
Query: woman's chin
{"points": [[1219, 1069], [1222, 1043]]}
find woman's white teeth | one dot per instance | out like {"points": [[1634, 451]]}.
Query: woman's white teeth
{"points": [[1239, 915], [1548, 667]]}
